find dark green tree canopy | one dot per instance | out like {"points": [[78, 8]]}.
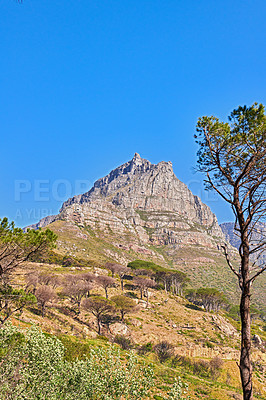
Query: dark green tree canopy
{"points": [[17, 246], [233, 156]]}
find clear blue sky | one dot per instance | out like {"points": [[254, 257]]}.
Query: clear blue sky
{"points": [[87, 83]]}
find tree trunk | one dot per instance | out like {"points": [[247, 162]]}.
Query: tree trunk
{"points": [[122, 284], [245, 357], [99, 326], [106, 293]]}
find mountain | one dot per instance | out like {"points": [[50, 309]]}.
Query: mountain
{"points": [[143, 211], [138, 196]]}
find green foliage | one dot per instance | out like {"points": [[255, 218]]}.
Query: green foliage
{"points": [[17, 246], [124, 304], [211, 299], [13, 300], [234, 312], [35, 368], [141, 264], [201, 368], [145, 348], [178, 391], [225, 148]]}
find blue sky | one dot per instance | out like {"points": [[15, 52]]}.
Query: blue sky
{"points": [[85, 84]]}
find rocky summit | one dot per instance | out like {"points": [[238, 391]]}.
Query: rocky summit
{"points": [[147, 202], [144, 200]]}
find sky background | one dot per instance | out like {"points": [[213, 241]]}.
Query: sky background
{"points": [[85, 84]]}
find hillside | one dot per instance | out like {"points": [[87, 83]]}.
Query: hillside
{"points": [[198, 336]]}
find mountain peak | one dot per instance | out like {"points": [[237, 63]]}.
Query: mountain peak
{"points": [[139, 184], [136, 157]]}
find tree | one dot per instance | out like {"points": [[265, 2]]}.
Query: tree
{"points": [[106, 282], [124, 305], [99, 307], [13, 300], [76, 289], [122, 272], [211, 299], [17, 246], [233, 157], [164, 277], [112, 267], [33, 279], [144, 284], [44, 294], [179, 281]]}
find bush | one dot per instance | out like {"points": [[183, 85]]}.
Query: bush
{"points": [[216, 364], [145, 348], [34, 367], [199, 367], [132, 295], [124, 343], [164, 350]]}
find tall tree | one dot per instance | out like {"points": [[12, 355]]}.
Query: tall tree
{"points": [[233, 157], [17, 246], [12, 301], [124, 305], [44, 294], [99, 307], [105, 282], [76, 289], [144, 284]]}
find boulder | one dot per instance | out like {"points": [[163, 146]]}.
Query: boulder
{"points": [[118, 329]]}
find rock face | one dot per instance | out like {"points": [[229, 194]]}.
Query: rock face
{"points": [[140, 185], [148, 202], [43, 222]]}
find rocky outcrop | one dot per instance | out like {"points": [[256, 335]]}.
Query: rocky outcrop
{"points": [[140, 185], [148, 203]]}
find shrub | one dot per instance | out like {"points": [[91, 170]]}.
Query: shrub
{"points": [[35, 368], [164, 350], [124, 343], [216, 364], [132, 295], [178, 391], [145, 348]]}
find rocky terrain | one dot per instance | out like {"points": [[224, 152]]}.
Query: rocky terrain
{"points": [[205, 344]]}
